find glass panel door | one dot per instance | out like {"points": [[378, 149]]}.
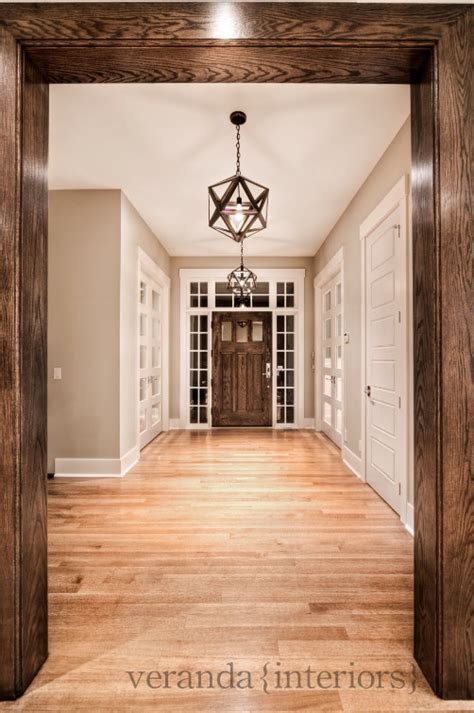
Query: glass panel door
{"points": [[331, 359], [150, 315]]}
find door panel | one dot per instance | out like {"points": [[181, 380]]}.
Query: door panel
{"points": [[331, 359], [150, 316], [241, 379], [385, 359]]}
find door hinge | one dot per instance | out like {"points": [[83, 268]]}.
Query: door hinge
{"points": [[399, 317], [399, 402], [399, 230], [399, 488]]}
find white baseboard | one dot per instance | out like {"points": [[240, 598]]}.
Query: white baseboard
{"points": [[175, 424], [96, 467], [129, 460], [308, 423], [410, 522], [353, 461]]}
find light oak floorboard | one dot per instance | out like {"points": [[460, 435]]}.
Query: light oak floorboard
{"points": [[231, 545]]}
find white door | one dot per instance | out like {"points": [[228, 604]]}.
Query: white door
{"points": [[386, 358], [331, 359], [150, 356]]}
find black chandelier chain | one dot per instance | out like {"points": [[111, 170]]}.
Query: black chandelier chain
{"points": [[241, 253], [237, 146]]}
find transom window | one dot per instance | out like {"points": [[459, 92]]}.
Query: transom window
{"points": [[198, 296], [260, 298], [285, 294]]}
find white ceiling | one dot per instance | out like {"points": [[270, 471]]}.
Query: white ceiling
{"points": [[312, 145]]}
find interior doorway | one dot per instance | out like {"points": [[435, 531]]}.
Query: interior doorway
{"points": [[429, 48], [242, 369]]}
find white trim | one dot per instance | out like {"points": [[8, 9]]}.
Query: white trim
{"points": [[332, 268], [410, 519], [212, 275], [218, 274], [393, 198], [152, 269], [352, 461], [96, 467], [399, 195]]}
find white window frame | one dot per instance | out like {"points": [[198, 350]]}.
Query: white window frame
{"points": [[330, 270], [148, 266], [211, 276]]}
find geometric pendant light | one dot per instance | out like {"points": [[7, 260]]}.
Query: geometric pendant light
{"points": [[242, 281], [238, 207]]}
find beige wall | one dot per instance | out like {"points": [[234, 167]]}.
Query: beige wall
{"points": [[83, 324], [92, 322], [395, 162], [255, 262]]}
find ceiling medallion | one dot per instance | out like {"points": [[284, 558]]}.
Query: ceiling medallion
{"points": [[242, 281], [238, 207]]}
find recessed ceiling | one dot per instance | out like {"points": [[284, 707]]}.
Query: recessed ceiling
{"points": [[312, 144]]}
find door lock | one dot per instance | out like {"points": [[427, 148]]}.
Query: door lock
{"points": [[368, 391], [268, 370]]}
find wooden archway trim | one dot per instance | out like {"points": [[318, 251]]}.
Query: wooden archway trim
{"points": [[429, 46]]}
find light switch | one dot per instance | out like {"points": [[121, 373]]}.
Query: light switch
{"points": [[57, 372]]}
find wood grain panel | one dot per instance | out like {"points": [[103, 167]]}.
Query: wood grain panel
{"points": [[442, 234], [23, 270], [33, 338], [9, 372], [456, 497], [426, 337], [201, 63], [245, 21], [242, 395]]}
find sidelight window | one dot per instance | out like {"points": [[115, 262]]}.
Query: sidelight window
{"points": [[286, 294], [198, 361], [285, 338]]}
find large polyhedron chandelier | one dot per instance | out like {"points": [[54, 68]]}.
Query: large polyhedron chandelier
{"points": [[242, 281], [238, 207]]}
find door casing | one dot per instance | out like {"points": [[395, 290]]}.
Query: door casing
{"points": [[428, 46]]}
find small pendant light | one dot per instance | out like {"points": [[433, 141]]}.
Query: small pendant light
{"points": [[242, 281]]}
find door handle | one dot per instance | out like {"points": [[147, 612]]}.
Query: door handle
{"points": [[368, 391], [268, 370]]}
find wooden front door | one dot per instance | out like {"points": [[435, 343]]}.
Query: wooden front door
{"points": [[241, 369]]}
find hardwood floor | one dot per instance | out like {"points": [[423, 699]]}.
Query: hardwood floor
{"points": [[239, 546]]}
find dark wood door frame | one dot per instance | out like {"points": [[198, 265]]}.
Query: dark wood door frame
{"points": [[429, 46]]}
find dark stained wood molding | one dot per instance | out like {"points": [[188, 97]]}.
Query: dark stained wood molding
{"points": [[224, 63], [429, 46], [23, 265], [455, 502], [187, 22]]}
